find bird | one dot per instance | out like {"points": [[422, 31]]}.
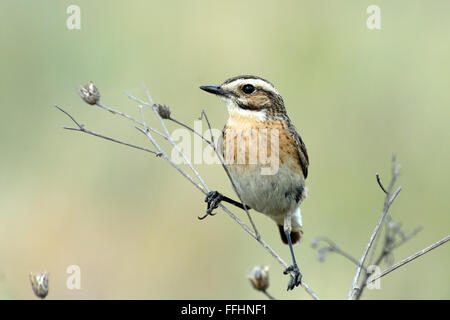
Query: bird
{"points": [[257, 115]]}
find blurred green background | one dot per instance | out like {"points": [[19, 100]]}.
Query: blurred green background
{"points": [[130, 221]]}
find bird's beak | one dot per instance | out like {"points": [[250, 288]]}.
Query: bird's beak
{"points": [[217, 90]]}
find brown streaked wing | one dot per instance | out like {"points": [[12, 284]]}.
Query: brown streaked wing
{"points": [[301, 148]]}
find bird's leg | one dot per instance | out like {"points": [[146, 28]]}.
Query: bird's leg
{"points": [[296, 278], [213, 198]]}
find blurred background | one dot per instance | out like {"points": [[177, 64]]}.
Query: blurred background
{"points": [[129, 221]]}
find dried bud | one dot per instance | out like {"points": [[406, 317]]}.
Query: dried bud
{"points": [[89, 93], [163, 111], [39, 284], [259, 278]]}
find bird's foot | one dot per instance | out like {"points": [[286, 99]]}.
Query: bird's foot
{"points": [[213, 199], [295, 279]]}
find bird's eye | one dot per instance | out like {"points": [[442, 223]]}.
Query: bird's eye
{"points": [[248, 88]]}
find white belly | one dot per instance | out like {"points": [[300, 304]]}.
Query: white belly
{"points": [[273, 195]]}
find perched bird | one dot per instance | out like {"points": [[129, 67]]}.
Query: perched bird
{"points": [[265, 156]]}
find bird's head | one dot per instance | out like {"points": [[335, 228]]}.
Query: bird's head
{"points": [[250, 96]]}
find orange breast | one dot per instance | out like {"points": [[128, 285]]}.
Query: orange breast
{"points": [[249, 141]]}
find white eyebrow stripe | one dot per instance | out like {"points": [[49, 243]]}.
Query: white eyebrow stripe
{"points": [[255, 82]]}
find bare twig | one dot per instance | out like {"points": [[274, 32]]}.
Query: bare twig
{"points": [[193, 131], [81, 128], [377, 238], [268, 295], [388, 247], [203, 115], [380, 184], [331, 246], [169, 138], [392, 232], [124, 115], [389, 199], [406, 238], [410, 258]]}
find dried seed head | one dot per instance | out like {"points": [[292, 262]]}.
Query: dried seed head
{"points": [[39, 284], [163, 111], [89, 93], [259, 278]]}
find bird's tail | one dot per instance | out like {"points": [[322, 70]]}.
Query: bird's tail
{"points": [[295, 235]]}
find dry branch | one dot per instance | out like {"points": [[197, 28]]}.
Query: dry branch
{"points": [[410, 258], [394, 237], [391, 195]]}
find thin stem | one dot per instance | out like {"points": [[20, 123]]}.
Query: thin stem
{"points": [[268, 295], [333, 247], [193, 131], [380, 184], [161, 120], [203, 115], [408, 237], [387, 249], [120, 113], [167, 158], [410, 258], [387, 204], [82, 129], [168, 137]]}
